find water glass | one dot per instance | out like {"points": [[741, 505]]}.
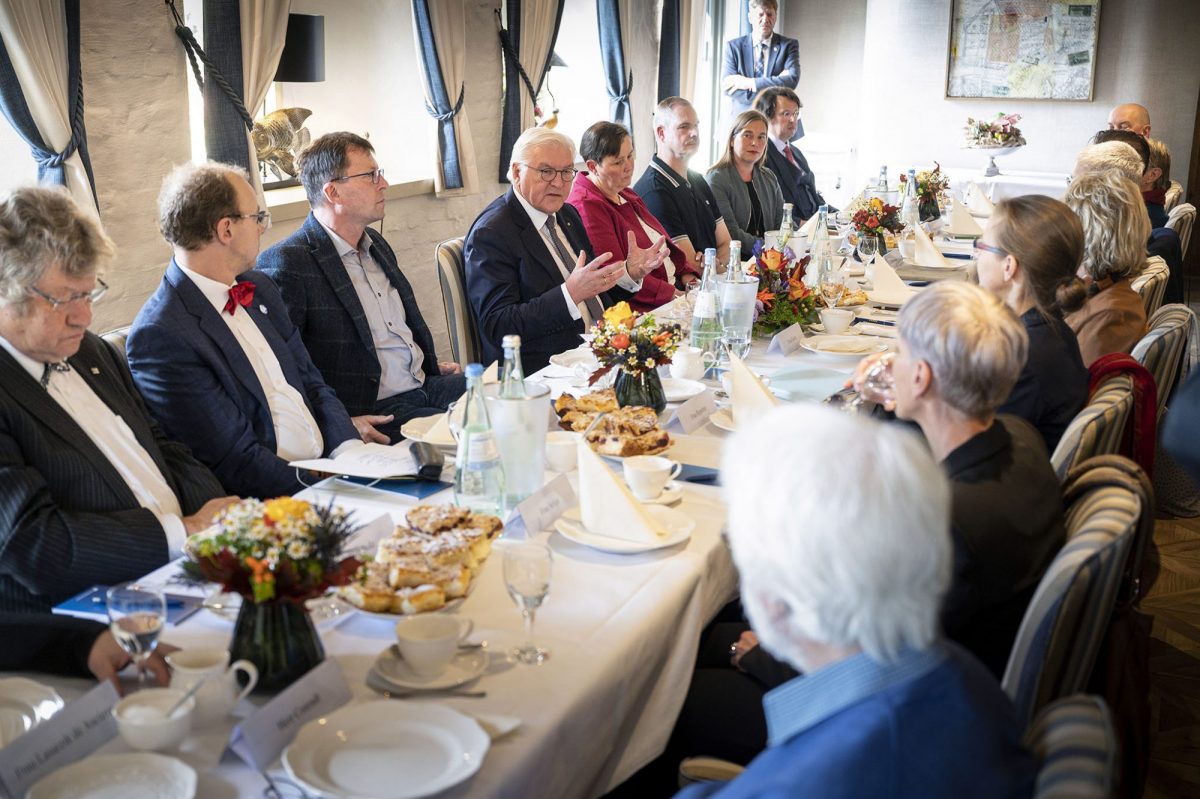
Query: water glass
{"points": [[520, 427], [868, 246], [527, 569], [737, 314], [137, 614], [878, 384]]}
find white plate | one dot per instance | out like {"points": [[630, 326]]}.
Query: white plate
{"points": [[466, 666], [681, 390], [579, 356], [386, 749], [133, 775], [671, 493], [844, 346], [24, 704], [417, 429], [723, 418], [679, 529]]}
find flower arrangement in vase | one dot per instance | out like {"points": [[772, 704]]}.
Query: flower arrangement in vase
{"points": [[873, 217], [277, 555], [783, 297], [1000, 136], [635, 345], [932, 186]]}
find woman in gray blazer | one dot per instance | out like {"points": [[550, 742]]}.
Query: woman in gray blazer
{"points": [[747, 193]]}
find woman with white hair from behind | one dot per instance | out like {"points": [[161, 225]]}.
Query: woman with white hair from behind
{"points": [[844, 582]]}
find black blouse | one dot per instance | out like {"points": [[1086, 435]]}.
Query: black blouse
{"points": [[755, 227]]}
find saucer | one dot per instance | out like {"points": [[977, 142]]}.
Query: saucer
{"points": [[679, 529], [466, 666], [671, 493], [723, 418], [680, 390]]}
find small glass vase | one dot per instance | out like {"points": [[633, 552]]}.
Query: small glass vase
{"points": [[644, 388], [278, 637], [928, 209]]}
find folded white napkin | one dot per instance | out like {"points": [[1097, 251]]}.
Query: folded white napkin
{"points": [[926, 254], [492, 373], [847, 345], [810, 227], [888, 288], [440, 432], [962, 223], [977, 201], [606, 504], [749, 396]]}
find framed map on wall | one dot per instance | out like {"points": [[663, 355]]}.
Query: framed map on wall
{"points": [[1023, 49]]}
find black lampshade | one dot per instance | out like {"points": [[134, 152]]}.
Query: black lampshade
{"points": [[303, 58]]}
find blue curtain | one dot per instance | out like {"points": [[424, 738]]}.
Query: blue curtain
{"points": [[668, 51], [224, 126], [744, 12], [14, 107], [618, 79], [515, 76], [442, 110]]}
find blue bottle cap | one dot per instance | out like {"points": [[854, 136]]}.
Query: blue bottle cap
{"points": [[474, 370]]}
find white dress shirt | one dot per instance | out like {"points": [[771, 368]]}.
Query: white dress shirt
{"points": [[578, 310], [400, 359], [297, 436], [116, 442]]}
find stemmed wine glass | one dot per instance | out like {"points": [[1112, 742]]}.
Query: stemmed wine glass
{"points": [[878, 384], [833, 285], [527, 568], [137, 614], [868, 245]]}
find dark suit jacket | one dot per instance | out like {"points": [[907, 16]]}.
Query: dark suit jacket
{"points": [[68, 520], [783, 68], [326, 310], [514, 284], [798, 183], [201, 387], [47, 643]]}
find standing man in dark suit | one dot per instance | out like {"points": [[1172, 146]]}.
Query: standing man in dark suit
{"points": [[759, 60], [214, 353], [91, 491], [530, 268], [781, 106], [344, 290]]}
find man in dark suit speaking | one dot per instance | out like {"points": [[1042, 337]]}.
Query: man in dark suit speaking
{"points": [[91, 491], [214, 353], [781, 107], [345, 292], [530, 268], [759, 60]]}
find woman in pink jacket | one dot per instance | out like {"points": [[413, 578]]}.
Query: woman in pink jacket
{"points": [[610, 209]]}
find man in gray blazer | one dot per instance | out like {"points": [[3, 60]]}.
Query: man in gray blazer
{"points": [[91, 491], [345, 293]]}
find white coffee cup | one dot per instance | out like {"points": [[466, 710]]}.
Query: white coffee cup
{"points": [[428, 643], [836, 320], [689, 363], [647, 475], [561, 450], [211, 666]]}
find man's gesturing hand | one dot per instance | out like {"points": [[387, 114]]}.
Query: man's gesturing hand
{"points": [[595, 277]]}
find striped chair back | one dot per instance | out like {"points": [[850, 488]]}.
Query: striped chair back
{"points": [[1170, 350], [1151, 284], [460, 322], [1066, 620], [1098, 428], [116, 340], [1076, 745], [1182, 219], [1174, 194]]}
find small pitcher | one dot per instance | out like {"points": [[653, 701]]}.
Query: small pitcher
{"points": [[220, 691]]}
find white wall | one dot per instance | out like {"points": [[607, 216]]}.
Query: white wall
{"points": [[891, 107]]}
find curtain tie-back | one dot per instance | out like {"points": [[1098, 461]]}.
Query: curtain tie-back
{"points": [[48, 159], [453, 112], [194, 51], [623, 97]]}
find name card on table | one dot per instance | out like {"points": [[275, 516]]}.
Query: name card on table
{"points": [[786, 341], [79, 729], [695, 413], [543, 507], [261, 738]]}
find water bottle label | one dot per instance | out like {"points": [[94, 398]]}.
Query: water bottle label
{"points": [[706, 304], [482, 448]]}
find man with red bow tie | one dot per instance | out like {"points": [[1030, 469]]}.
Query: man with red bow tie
{"points": [[214, 352]]}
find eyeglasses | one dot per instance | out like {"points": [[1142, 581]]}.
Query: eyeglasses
{"points": [[788, 114], [979, 245], [376, 175], [263, 218], [547, 173], [86, 297]]}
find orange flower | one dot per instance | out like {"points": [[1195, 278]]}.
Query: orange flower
{"points": [[620, 341], [797, 290], [661, 339], [872, 221], [261, 569], [766, 298], [772, 259]]}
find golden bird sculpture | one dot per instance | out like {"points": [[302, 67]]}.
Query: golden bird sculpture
{"points": [[279, 136]]}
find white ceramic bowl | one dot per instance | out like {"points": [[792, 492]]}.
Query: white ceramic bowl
{"points": [[143, 723]]}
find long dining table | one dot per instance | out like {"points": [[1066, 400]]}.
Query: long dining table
{"points": [[622, 631]]}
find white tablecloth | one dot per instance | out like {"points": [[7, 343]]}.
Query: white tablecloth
{"points": [[1008, 183]]}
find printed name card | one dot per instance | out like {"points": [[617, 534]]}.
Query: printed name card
{"points": [[261, 738], [542, 508], [694, 414], [786, 341], [79, 729], [367, 537]]}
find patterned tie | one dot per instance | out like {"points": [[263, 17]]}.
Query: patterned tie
{"points": [[47, 369], [594, 307], [787, 150], [765, 48], [240, 293]]}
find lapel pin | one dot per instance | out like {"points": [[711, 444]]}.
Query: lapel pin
{"points": [[95, 371], [262, 308]]}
